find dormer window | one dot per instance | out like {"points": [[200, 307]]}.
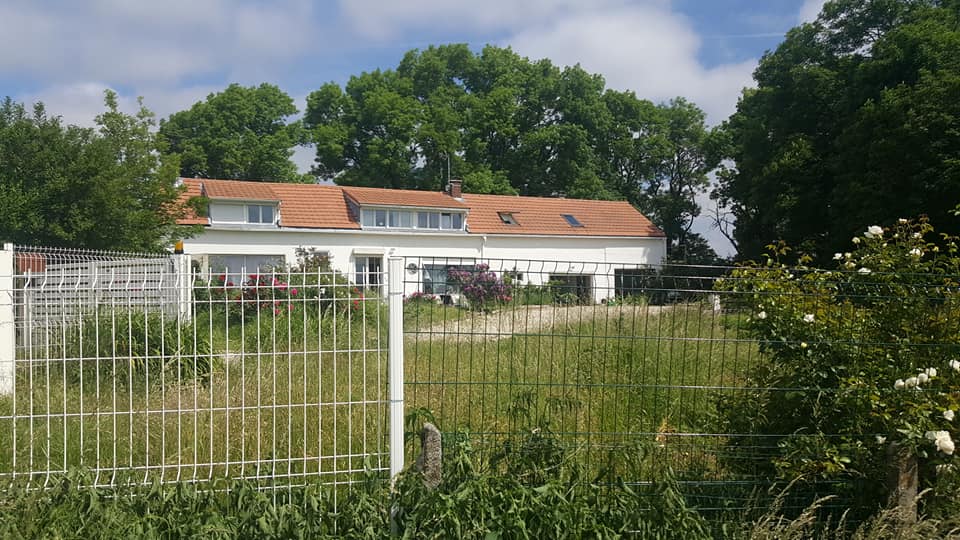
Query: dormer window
{"points": [[260, 214], [239, 213], [411, 219]]}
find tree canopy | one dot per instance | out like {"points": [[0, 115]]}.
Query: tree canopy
{"points": [[103, 188], [241, 133], [506, 124], [853, 121]]}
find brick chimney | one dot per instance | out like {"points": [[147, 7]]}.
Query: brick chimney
{"points": [[454, 186]]}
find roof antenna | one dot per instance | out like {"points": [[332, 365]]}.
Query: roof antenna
{"points": [[448, 167]]}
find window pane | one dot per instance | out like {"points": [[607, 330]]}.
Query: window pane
{"points": [[394, 219], [458, 221], [381, 218], [368, 218], [266, 214], [405, 219], [422, 218], [434, 220], [253, 214], [360, 267], [446, 221]]}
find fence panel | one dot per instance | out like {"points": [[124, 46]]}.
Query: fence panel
{"points": [[627, 369], [139, 368]]}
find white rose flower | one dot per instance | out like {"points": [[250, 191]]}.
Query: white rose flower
{"points": [[902, 221], [899, 385], [931, 372], [803, 345], [849, 265], [948, 415], [847, 255], [762, 315], [916, 252], [856, 240], [881, 439], [837, 256], [911, 382], [808, 318], [922, 378], [943, 442], [864, 270], [917, 235], [874, 231], [955, 365]]}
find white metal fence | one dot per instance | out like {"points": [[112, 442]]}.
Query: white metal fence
{"points": [[139, 367]]}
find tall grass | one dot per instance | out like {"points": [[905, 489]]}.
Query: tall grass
{"points": [[608, 380]]}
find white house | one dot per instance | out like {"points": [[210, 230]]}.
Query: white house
{"points": [[586, 243]]}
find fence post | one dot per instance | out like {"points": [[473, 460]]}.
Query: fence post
{"points": [[7, 321], [184, 284], [395, 360]]}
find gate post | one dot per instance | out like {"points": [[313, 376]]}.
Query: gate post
{"points": [[7, 321], [395, 362]]}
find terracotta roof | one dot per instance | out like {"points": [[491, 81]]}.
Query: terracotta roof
{"points": [[402, 197], [316, 206], [539, 215], [230, 189]]}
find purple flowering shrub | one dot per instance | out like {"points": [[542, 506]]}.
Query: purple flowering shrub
{"points": [[482, 288]]}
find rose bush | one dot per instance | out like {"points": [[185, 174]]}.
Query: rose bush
{"points": [[853, 359]]}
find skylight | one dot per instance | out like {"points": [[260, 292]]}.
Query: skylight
{"points": [[572, 220], [507, 218]]}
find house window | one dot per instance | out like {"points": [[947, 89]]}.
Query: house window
{"points": [[369, 272], [260, 213], [435, 278], [571, 220], [236, 269], [507, 218]]}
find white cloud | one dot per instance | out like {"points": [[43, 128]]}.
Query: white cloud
{"points": [[644, 48], [80, 103], [124, 42], [810, 10], [388, 18]]}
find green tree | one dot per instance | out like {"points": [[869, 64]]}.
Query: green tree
{"points": [[241, 133], [506, 124], [852, 122], [103, 188]]}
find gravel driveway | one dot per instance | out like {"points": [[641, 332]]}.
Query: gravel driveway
{"points": [[505, 323]]}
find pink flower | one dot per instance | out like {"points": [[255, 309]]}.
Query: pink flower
{"points": [[293, 291], [290, 307], [276, 312]]}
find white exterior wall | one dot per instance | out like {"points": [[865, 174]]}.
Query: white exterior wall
{"points": [[536, 256]]}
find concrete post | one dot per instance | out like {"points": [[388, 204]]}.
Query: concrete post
{"points": [[903, 481], [184, 284], [395, 361], [7, 321]]}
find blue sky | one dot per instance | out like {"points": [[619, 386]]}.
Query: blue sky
{"points": [[175, 52]]}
